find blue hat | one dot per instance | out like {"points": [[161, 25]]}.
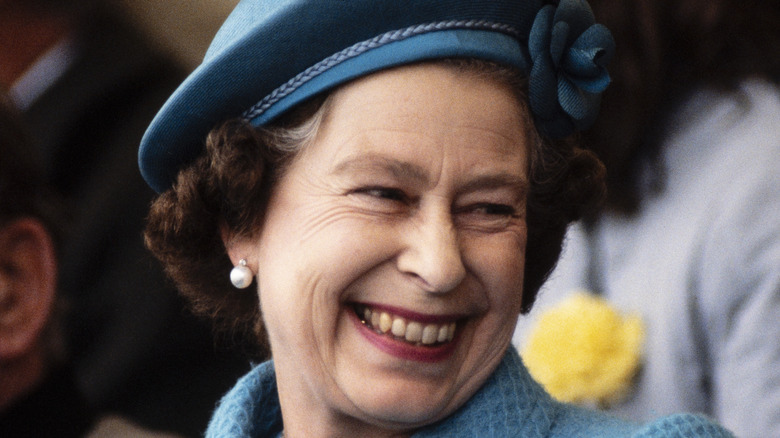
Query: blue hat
{"points": [[271, 55]]}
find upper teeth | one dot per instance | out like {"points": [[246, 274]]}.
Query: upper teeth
{"points": [[411, 331]]}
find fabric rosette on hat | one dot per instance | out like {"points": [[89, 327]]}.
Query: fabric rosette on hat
{"points": [[570, 53]]}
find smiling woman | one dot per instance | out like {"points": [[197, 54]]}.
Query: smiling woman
{"points": [[397, 195], [392, 188]]}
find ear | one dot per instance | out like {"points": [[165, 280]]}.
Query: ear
{"points": [[28, 285], [239, 247]]}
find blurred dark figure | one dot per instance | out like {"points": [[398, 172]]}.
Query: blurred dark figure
{"points": [[88, 87], [690, 238], [38, 393]]}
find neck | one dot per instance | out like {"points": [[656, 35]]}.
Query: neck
{"points": [[25, 34]]}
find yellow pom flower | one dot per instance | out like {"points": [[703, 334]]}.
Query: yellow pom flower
{"points": [[583, 351]]}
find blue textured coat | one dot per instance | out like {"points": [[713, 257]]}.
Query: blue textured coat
{"points": [[510, 404]]}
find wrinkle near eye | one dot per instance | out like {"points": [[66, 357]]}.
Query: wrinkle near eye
{"points": [[317, 220]]}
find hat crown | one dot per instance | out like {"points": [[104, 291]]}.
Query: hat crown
{"points": [[271, 55], [235, 26]]}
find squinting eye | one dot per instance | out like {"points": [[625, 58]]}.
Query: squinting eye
{"points": [[383, 193], [495, 210], [488, 217]]}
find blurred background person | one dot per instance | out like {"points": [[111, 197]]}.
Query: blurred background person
{"points": [[38, 393], [88, 85], [690, 236]]}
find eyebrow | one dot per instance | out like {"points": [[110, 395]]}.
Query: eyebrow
{"points": [[377, 162], [502, 180], [405, 170]]}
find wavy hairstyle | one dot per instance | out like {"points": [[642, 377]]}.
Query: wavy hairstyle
{"points": [[229, 185], [666, 49]]}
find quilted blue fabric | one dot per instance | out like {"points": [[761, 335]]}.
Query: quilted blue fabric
{"points": [[510, 404]]}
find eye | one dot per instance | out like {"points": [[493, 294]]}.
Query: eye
{"points": [[501, 210], [390, 194], [488, 217]]}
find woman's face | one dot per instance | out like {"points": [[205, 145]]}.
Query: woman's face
{"points": [[390, 263]]}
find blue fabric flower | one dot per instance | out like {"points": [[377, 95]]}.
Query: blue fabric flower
{"points": [[569, 53]]}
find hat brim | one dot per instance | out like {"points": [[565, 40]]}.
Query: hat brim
{"points": [[214, 93], [460, 43]]}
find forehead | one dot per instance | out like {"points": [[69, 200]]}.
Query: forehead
{"points": [[433, 103], [431, 87]]}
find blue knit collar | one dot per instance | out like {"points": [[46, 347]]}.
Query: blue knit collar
{"points": [[510, 403]]}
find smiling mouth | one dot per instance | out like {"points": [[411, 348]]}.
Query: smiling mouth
{"points": [[402, 329]]}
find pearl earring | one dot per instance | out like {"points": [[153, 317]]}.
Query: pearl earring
{"points": [[241, 276]]}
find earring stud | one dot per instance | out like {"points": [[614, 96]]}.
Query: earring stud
{"points": [[241, 276]]}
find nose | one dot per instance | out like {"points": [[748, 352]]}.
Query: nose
{"points": [[433, 253]]}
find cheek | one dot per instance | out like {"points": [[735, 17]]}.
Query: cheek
{"points": [[300, 312], [500, 264], [305, 275]]}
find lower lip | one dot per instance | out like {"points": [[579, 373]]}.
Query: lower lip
{"points": [[402, 349]]}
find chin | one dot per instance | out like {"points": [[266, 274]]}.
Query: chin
{"points": [[403, 413]]}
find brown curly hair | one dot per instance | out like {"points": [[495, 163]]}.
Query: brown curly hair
{"points": [[229, 184]]}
